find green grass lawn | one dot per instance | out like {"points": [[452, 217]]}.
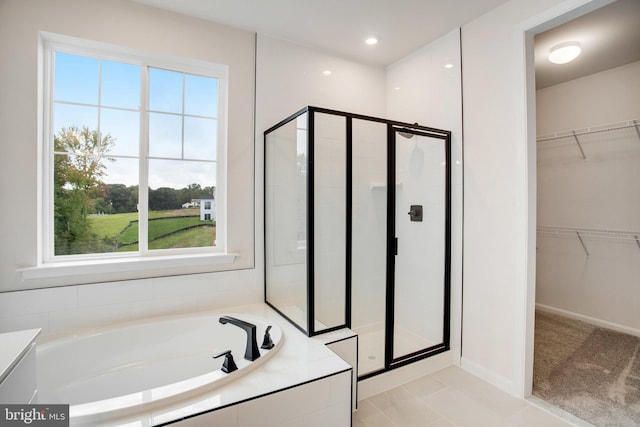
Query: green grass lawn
{"points": [[111, 225], [166, 229], [191, 238], [158, 227]]}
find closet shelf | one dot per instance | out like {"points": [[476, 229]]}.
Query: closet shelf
{"points": [[589, 233], [585, 233], [590, 130]]}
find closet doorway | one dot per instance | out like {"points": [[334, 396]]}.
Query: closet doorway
{"points": [[587, 329]]}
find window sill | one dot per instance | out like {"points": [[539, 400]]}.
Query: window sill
{"points": [[142, 266]]}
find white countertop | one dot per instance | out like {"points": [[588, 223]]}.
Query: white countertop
{"points": [[13, 346]]}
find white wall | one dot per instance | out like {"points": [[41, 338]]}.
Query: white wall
{"points": [[499, 181], [290, 77], [599, 192], [139, 27], [603, 98], [420, 89], [493, 212]]}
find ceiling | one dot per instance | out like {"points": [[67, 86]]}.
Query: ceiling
{"points": [[340, 26], [609, 37]]}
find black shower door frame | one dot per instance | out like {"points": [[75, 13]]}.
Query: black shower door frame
{"points": [[393, 127], [391, 362]]}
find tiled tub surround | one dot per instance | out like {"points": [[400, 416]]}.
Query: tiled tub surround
{"points": [[62, 310], [300, 373]]}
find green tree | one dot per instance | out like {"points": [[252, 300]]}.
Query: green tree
{"points": [[190, 192], [122, 198], [164, 198], [79, 166], [101, 206]]}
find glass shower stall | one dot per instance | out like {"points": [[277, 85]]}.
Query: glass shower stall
{"points": [[358, 232]]}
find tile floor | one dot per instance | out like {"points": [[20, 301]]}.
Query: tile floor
{"points": [[451, 397]]}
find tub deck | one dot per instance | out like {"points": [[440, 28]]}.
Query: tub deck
{"points": [[300, 360]]}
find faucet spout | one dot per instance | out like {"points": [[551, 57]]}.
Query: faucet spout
{"points": [[252, 352]]}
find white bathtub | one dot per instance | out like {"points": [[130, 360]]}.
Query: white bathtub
{"points": [[138, 367]]}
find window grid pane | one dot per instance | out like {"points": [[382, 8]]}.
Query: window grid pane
{"points": [[87, 166], [96, 158], [191, 100], [182, 160]]}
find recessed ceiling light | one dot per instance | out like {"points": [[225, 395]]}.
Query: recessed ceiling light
{"points": [[327, 72], [371, 41], [564, 52], [448, 65]]}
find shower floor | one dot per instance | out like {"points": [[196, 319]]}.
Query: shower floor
{"points": [[371, 340], [371, 346]]}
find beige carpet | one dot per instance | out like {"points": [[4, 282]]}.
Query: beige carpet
{"points": [[591, 372]]}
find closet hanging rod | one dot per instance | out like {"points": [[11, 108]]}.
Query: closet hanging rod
{"points": [[585, 233], [595, 129]]}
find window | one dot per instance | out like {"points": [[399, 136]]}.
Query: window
{"points": [[130, 142]]}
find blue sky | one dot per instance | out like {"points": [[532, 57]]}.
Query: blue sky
{"points": [[91, 92]]}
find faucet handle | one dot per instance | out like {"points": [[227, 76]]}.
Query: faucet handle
{"points": [[228, 365], [267, 343]]}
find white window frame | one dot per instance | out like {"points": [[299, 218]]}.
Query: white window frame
{"points": [[50, 265]]}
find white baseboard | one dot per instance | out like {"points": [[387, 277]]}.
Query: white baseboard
{"points": [[492, 378], [589, 319]]}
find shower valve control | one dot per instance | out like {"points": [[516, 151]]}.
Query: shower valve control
{"points": [[415, 213]]}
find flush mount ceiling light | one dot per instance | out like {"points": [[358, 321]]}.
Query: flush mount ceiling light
{"points": [[564, 52], [371, 41]]}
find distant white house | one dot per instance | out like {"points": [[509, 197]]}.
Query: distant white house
{"points": [[207, 205], [207, 209]]}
